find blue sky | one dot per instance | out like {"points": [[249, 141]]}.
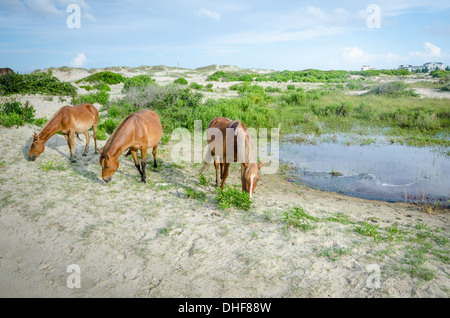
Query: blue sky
{"points": [[279, 35]]}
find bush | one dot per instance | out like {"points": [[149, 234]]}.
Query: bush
{"points": [[196, 86], [105, 77], [392, 89], [270, 89], [36, 83], [181, 81], [138, 81], [13, 113], [108, 125], [101, 97]]}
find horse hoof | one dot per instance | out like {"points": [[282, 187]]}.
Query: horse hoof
{"points": [[143, 181], [85, 154]]}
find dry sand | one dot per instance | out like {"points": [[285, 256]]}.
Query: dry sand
{"points": [[151, 240]]}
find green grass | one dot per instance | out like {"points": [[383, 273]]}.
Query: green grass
{"points": [[297, 217], [233, 197], [52, 165], [333, 253]]}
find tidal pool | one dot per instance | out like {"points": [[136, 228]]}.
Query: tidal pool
{"points": [[370, 168]]}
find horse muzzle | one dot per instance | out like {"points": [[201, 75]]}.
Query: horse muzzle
{"points": [[107, 179], [31, 158]]}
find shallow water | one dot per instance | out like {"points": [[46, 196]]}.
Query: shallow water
{"points": [[379, 170]]}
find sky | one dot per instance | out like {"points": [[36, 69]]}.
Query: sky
{"points": [[278, 35]]}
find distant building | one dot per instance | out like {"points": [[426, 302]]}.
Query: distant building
{"points": [[366, 68], [430, 66], [434, 65]]}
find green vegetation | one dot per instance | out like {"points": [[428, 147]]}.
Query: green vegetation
{"points": [[13, 114], [105, 77], [393, 89], [181, 81], [35, 83], [52, 165], [298, 218], [137, 81], [233, 196]]}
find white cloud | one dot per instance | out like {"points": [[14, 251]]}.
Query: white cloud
{"points": [[79, 61], [209, 14], [430, 50], [352, 53]]}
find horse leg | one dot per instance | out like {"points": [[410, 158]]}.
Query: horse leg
{"points": [[136, 162], [73, 158], [216, 165], [155, 166], [143, 164], [87, 137], [94, 130], [225, 173]]}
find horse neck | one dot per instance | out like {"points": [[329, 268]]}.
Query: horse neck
{"points": [[51, 128], [116, 146]]}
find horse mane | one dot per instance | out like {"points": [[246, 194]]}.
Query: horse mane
{"points": [[244, 142], [112, 138], [50, 120]]}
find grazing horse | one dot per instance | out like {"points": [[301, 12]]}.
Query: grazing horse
{"points": [[139, 131], [69, 120], [240, 145]]}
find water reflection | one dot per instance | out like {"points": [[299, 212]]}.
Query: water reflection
{"points": [[376, 170]]}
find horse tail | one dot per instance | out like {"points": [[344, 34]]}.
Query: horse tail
{"points": [[242, 144], [205, 166]]}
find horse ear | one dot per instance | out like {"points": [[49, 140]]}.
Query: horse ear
{"points": [[100, 150], [35, 136], [260, 165], [245, 164]]}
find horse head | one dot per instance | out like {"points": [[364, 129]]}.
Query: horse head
{"points": [[250, 176], [109, 165], [37, 147]]}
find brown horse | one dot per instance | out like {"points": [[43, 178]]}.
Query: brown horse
{"points": [[140, 131], [236, 136], [69, 120]]}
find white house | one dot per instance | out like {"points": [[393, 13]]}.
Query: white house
{"points": [[430, 66]]}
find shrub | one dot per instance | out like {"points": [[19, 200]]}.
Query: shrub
{"points": [[181, 81], [36, 83], [270, 89], [392, 89], [105, 77], [137, 81], [13, 114], [196, 86], [108, 125], [101, 97]]}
